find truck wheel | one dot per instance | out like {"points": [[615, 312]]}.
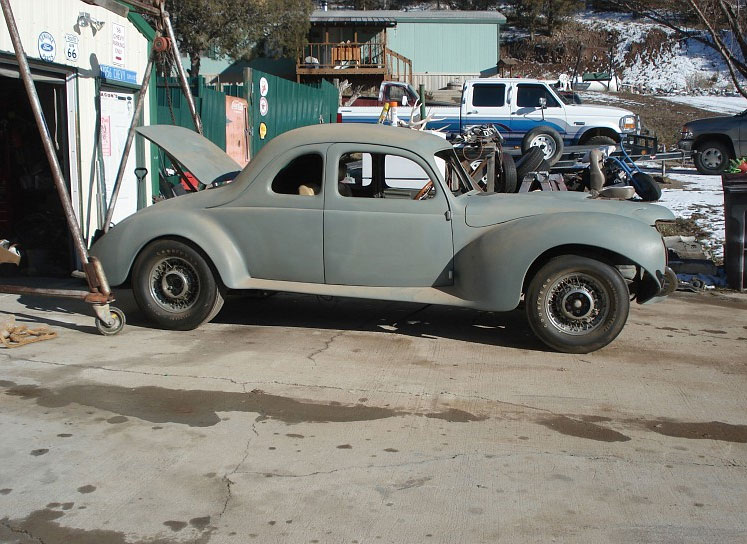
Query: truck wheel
{"points": [[547, 139], [507, 181], [600, 140], [529, 162], [712, 157], [577, 305], [646, 187], [174, 286]]}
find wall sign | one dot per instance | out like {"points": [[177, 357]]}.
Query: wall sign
{"points": [[71, 48], [264, 86], [47, 47], [262, 131], [118, 45], [263, 106], [118, 74]]}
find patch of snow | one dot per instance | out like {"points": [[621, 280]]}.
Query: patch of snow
{"points": [[718, 104], [702, 197], [680, 65]]}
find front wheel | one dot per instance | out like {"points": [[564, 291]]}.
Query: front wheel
{"points": [[174, 286], [577, 305], [711, 158]]}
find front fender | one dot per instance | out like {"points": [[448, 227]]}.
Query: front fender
{"points": [[118, 248], [595, 128], [491, 269]]}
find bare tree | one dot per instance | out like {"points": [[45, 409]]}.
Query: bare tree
{"points": [[715, 16]]}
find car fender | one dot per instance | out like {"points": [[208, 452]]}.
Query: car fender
{"points": [[492, 267], [604, 126], [118, 249]]}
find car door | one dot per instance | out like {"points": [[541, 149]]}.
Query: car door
{"points": [[375, 234], [486, 103], [526, 112], [277, 222]]}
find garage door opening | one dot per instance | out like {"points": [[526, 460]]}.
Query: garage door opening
{"points": [[30, 211]]}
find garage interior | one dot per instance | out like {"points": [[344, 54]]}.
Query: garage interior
{"points": [[31, 215]]}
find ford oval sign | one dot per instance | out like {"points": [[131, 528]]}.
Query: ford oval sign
{"points": [[47, 47]]}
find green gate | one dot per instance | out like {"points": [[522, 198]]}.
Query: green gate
{"points": [[277, 105]]}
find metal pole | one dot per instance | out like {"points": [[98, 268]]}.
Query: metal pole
{"points": [[130, 138], [180, 70], [59, 181]]}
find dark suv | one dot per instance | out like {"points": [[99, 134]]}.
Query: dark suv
{"points": [[714, 141]]}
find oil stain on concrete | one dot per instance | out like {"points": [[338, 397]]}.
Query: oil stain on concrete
{"points": [[199, 408], [582, 429], [43, 526], [711, 430]]}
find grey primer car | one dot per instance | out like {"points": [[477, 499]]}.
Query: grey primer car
{"points": [[714, 141], [385, 213]]}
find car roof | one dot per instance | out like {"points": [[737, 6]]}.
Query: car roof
{"points": [[419, 142]]}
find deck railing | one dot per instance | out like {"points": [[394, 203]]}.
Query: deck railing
{"points": [[363, 58]]}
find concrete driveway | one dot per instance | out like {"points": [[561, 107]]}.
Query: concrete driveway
{"points": [[297, 419]]}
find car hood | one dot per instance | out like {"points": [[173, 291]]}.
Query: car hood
{"points": [[485, 209], [590, 110], [718, 123], [202, 158]]}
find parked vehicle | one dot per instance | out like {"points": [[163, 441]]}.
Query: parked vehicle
{"points": [[528, 112], [402, 93], [316, 212], [715, 141]]}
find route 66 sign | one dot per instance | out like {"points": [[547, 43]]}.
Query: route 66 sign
{"points": [[47, 47], [71, 48]]}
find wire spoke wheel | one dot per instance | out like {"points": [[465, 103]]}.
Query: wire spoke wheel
{"points": [[577, 304], [174, 284]]}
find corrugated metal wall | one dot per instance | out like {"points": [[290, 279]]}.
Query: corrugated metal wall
{"points": [[289, 105], [210, 104], [446, 48]]}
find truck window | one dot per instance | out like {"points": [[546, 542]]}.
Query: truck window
{"points": [[491, 96], [528, 96]]}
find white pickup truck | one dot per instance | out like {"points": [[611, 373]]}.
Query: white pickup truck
{"points": [[527, 112]]}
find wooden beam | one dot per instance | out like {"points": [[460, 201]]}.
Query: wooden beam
{"points": [[111, 5]]}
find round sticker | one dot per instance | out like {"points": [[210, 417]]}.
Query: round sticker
{"points": [[264, 86], [262, 131], [47, 47], [263, 106]]}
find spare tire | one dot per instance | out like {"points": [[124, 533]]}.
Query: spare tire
{"points": [[529, 162], [646, 187], [547, 139], [507, 181]]}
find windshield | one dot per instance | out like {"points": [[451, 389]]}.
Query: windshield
{"points": [[456, 178]]}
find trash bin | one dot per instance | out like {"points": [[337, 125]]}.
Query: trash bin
{"points": [[735, 210]]}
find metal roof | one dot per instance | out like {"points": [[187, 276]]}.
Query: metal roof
{"points": [[391, 17]]}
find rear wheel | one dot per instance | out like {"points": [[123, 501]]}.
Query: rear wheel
{"points": [[711, 158], [547, 139], [577, 305], [174, 285]]}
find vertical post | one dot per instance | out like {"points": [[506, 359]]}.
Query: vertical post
{"points": [[41, 123], [248, 83], [130, 137], [180, 70], [421, 92]]}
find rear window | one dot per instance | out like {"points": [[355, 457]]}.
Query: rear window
{"points": [[492, 96]]}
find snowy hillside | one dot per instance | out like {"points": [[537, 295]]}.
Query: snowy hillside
{"points": [[675, 66]]}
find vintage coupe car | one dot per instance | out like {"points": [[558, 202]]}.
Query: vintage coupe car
{"points": [[387, 213]]}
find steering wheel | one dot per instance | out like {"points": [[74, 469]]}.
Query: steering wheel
{"points": [[424, 191]]}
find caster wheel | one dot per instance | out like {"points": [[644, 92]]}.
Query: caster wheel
{"points": [[116, 327]]}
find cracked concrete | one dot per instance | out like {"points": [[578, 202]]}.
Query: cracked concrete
{"points": [[463, 428]]}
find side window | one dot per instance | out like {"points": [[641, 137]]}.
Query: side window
{"points": [[302, 176], [378, 175], [491, 96], [528, 96]]}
